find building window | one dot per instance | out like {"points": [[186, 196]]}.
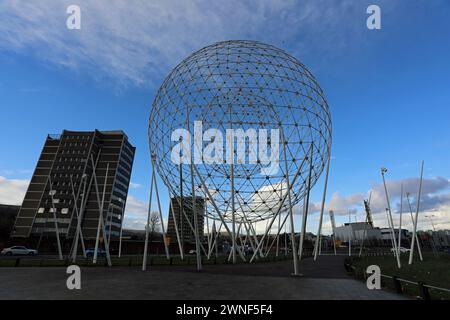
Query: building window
{"points": [[41, 210]]}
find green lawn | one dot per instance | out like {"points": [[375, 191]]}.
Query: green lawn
{"points": [[434, 270]]}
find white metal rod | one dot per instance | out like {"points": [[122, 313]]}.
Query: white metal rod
{"points": [[78, 232], [319, 230], [363, 237], [279, 230], [214, 237], [121, 228], [238, 230], [208, 235], [56, 222], [233, 209], [412, 220], [399, 264], [190, 225], [215, 207], [147, 227], [84, 199], [305, 216], [278, 236], [279, 207], [392, 233], [194, 210], [400, 221], [180, 246], [411, 253], [250, 226], [333, 225], [291, 213], [100, 205], [97, 238], [109, 215], [166, 247]]}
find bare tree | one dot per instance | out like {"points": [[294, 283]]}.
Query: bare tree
{"points": [[154, 224]]}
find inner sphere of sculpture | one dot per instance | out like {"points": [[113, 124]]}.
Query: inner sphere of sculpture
{"points": [[242, 85]]}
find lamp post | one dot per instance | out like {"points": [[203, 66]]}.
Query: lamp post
{"points": [[431, 220], [383, 171]]}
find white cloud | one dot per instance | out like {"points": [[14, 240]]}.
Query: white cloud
{"points": [[435, 201], [341, 204], [12, 191], [135, 213], [129, 41], [135, 185]]}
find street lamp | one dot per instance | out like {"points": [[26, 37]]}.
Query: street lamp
{"points": [[431, 220], [390, 220]]}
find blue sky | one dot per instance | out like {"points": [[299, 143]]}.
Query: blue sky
{"points": [[387, 89]]}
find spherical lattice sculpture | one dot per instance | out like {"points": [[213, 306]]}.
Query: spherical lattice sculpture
{"points": [[243, 85]]}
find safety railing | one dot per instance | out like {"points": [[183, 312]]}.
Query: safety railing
{"points": [[423, 288]]}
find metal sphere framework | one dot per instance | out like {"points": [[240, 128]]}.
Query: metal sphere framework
{"points": [[243, 85]]}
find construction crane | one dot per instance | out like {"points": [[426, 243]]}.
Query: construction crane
{"points": [[368, 213]]}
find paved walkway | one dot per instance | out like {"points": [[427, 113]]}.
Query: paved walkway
{"points": [[324, 280]]}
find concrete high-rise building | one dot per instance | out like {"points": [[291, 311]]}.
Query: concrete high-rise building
{"points": [[63, 182], [185, 231], [8, 215]]}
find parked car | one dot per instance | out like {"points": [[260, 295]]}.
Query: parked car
{"points": [[402, 250], [100, 252], [19, 251]]}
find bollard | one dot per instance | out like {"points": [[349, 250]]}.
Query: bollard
{"points": [[423, 291], [397, 284]]}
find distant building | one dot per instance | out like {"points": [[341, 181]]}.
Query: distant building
{"points": [[68, 160], [441, 238], [387, 234], [185, 231], [8, 215], [355, 231]]}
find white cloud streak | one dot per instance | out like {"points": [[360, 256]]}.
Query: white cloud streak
{"points": [[129, 42], [12, 191], [435, 200]]}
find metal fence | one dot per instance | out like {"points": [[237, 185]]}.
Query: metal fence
{"points": [[397, 283]]}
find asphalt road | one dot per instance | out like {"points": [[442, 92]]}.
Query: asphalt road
{"points": [[324, 279]]}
